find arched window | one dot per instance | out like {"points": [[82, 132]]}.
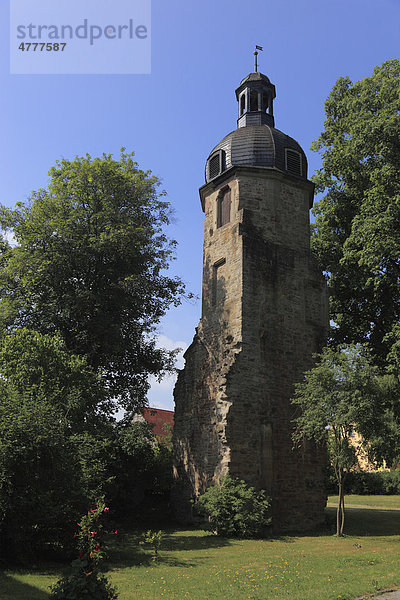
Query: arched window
{"points": [[253, 100], [224, 207], [264, 102], [242, 105]]}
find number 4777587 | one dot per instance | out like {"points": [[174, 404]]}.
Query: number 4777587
{"points": [[42, 46]]}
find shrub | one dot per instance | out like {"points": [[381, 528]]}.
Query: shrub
{"points": [[77, 586], [85, 580], [364, 483], [39, 483], [235, 509], [153, 538]]}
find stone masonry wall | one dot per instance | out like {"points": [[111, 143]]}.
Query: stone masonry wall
{"points": [[264, 314]]}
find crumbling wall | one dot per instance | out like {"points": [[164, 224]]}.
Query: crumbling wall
{"points": [[264, 316]]}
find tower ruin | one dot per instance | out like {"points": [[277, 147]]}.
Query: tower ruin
{"points": [[264, 315]]}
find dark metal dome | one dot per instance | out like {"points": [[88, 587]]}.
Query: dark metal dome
{"points": [[257, 146], [255, 77]]}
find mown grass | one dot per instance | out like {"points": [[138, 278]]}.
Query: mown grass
{"points": [[373, 501], [199, 566]]}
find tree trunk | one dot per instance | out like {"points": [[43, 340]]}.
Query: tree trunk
{"points": [[339, 506], [342, 521]]}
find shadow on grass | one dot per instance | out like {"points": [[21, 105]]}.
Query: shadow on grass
{"points": [[128, 550], [12, 589], [367, 521]]}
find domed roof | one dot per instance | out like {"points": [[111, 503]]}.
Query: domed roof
{"points": [[257, 146], [257, 76]]}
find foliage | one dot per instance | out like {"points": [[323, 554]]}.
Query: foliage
{"points": [[40, 367], [85, 580], [339, 394], [154, 538], [90, 535], [48, 471], [89, 263], [235, 509], [356, 234], [39, 481], [141, 465], [383, 483], [93, 586], [95, 457], [80, 296], [47, 474]]}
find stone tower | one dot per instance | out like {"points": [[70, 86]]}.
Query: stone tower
{"points": [[264, 314]]}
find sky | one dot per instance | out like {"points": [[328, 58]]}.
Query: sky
{"points": [[173, 116]]}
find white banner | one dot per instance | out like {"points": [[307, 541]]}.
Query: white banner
{"points": [[80, 37]]}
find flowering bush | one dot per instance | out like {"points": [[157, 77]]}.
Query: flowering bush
{"points": [[85, 580]]}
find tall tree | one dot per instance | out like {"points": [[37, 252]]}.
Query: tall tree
{"points": [[339, 394], [357, 230], [49, 399], [90, 263], [40, 367]]}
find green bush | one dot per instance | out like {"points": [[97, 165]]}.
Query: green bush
{"points": [[235, 509], [362, 483], [86, 581], [77, 586], [142, 469], [39, 484]]}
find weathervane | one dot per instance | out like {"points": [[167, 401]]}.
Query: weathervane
{"points": [[255, 57]]}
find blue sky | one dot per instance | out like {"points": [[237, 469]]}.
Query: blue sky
{"points": [[174, 116]]}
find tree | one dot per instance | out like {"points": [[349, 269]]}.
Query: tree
{"points": [[40, 367], [340, 394], [357, 230], [39, 480], [50, 403], [90, 264]]}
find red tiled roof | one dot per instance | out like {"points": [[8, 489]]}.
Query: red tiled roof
{"points": [[157, 418]]}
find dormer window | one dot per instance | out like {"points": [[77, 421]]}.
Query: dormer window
{"points": [[293, 162], [215, 164]]}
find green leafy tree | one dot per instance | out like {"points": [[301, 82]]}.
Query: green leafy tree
{"points": [[49, 406], [340, 394], [141, 466], [356, 234], [40, 367], [90, 263], [39, 479]]}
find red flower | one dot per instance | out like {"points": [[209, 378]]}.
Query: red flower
{"points": [[92, 510], [93, 533], [106, 509], [115, 532], [97, 547], [75, 535]]}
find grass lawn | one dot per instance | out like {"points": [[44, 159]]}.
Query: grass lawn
{"points": [[373, 501], [198, 566]]}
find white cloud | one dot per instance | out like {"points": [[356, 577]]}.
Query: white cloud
{"points": [[160, 394], [9, 236]]}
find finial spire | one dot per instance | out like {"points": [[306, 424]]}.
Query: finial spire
{"points": [[255, 57]]}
